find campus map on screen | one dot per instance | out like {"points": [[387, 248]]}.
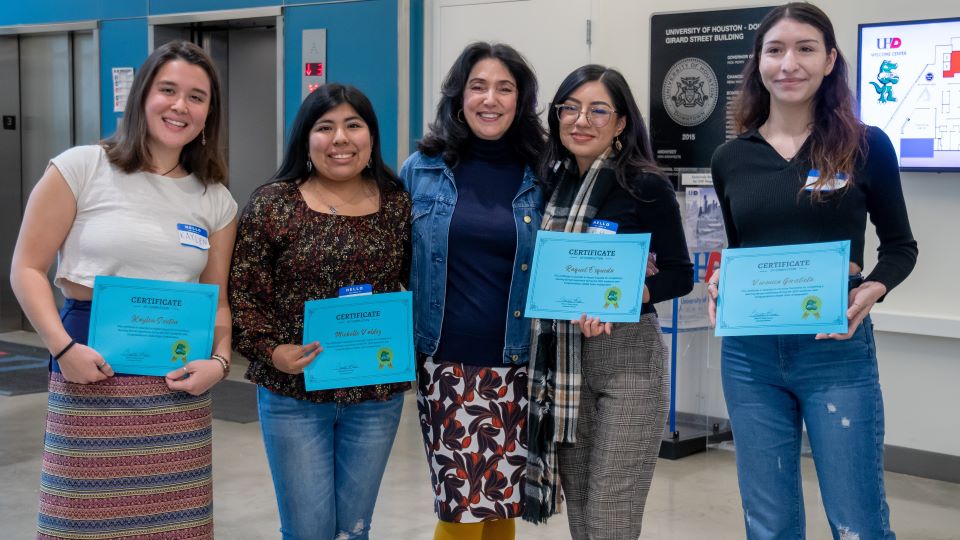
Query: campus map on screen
{"points": [[909, 86]]}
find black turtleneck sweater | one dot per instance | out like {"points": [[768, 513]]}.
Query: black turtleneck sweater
{"points": [[481, 250]]}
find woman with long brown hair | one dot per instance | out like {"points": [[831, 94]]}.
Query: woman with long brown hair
{"points": [[805, 170], [130, 456]]}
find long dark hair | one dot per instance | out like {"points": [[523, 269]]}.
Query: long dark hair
{"points": [[448, 135], [318, 103], [127, 148], [837, 139], [636, 154]]}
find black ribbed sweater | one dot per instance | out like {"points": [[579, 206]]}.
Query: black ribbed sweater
{"points": [[763, 202]]}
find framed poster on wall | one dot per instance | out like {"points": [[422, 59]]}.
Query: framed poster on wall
{"points": [[696, 59]]}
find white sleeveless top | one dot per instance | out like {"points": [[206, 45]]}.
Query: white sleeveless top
{"points": [[133, 225]]}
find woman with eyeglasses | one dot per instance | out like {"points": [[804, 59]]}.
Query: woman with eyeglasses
{"points": [[599, 393]]}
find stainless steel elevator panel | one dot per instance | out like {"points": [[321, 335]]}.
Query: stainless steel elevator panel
{"points": [[86, 89], [251, 110], [49, 86], [46, 103], [10, 196]]}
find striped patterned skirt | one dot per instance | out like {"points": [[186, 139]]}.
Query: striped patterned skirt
{"points": [[126, 458]]}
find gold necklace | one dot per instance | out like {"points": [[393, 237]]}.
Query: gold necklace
{"points": [[364, 189]]}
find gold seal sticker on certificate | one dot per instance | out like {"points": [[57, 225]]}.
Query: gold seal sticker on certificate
{"points": [[385, 357], [812, 306], [181, 348], [612, 297]]}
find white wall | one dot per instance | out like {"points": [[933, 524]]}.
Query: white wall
{"points": [[919, 324]]}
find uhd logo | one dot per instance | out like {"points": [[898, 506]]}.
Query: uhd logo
{"points": [[888, 43]]}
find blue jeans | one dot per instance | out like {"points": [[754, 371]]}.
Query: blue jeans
{"points": [[775, 384], [327, 460]]}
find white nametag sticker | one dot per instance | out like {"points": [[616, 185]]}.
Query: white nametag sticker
{"points": [[602, 226], [193, 236], [836, 183]]}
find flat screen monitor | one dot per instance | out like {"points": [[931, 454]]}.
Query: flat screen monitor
{"points": [[908, 85]]}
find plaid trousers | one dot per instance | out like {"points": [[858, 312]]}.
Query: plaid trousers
{"points": [[624, 402]]}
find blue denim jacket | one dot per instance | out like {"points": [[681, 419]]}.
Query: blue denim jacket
{"points": [[434, 193]]}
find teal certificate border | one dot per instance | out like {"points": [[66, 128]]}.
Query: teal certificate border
{"points": [[327, 370], [735, 270], [548, 298], [153, 354]]}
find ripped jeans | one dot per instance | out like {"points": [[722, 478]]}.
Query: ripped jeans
{"points": [[327, 460], [773, 386]]}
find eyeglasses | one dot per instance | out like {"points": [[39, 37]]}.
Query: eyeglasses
{"points": [[597, 115]]}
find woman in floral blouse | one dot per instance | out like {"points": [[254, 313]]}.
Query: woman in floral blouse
{"points": [[333, 215]]}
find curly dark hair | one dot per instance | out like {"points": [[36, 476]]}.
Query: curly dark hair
{"points": [[447, 135], [837, 138]]}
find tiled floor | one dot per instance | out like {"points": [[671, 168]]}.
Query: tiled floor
{"points": [[692, 498]]}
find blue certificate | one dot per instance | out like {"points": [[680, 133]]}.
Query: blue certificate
{"points": [[146, 327], [366, 339], [799, 289], [597, 274]]}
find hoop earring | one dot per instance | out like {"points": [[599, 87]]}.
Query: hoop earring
{"points": [[203, 138], [616, 143], [309, 166], [460, 117]]}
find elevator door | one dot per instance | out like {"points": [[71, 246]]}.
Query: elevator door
{"points": [[10, 200], [49, 99], [245, 53]]}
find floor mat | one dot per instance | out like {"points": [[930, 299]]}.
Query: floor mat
{"points": [[235, 401], [23, 369]]}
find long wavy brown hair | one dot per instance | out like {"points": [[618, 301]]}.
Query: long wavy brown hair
{"points": [[127, 148], [837, 138]]}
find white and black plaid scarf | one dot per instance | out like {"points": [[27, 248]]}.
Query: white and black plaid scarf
{"points": [[555, 351]]}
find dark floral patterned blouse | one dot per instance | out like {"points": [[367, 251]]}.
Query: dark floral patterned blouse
{"points": [[287, 254]]}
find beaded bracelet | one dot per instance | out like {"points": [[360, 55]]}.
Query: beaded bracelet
{"points": [[223, 363]]}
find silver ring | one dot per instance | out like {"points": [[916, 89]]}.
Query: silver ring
{"points": [[101, 365], [184, 369]]}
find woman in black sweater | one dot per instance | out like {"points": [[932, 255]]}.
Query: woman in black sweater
{"points": [[603, 398], [805, 170]]}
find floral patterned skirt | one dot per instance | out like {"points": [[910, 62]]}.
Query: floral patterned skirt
{"points": [[473, 420]]}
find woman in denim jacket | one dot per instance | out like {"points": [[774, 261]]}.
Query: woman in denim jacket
{"points": [[476, 210]]}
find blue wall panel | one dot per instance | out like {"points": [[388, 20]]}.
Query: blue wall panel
{"points": [[416, 73], [57, 11], [163, 7], [122, 9], [123, 43], [361, 50]]}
